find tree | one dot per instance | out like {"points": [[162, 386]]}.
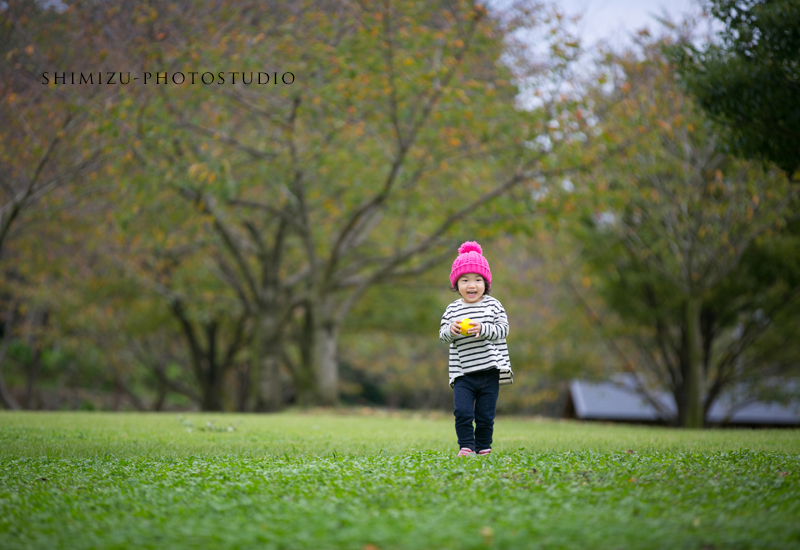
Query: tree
{"points": [[48, 144], [400, 125], [748, 80], [668, 237]]}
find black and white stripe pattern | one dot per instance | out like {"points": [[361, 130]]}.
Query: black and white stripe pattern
{"points": [[488, 350]]}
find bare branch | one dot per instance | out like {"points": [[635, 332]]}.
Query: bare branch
{"points": [[225, 138], [279, 212], [231, 242]]}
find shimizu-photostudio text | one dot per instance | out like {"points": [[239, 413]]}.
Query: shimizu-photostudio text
{"points": [[259, 78]]}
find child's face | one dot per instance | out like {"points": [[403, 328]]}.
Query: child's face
{"points": [[471, 286]]}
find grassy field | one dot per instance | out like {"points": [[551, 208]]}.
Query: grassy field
{"points": [[365, 480]]}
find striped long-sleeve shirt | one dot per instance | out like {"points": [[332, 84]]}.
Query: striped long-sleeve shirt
{"points": [[488, 350]]}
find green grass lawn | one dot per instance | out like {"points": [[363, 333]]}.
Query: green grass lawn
{"points": [[379, 481]]}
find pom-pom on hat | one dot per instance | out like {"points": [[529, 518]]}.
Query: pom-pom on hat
{"points": [[470, 260]]}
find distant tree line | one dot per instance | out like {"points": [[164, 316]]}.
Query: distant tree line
{"points": [[247, 247]]}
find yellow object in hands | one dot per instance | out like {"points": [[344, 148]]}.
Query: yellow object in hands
{"points": [[465, 326]]}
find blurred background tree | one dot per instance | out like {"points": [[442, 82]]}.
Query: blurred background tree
{"points": [[316, 191], [51, 148], [747, 80], [677, 235]]}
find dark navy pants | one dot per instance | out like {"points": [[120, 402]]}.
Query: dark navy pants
{"points": [[475, 398]]}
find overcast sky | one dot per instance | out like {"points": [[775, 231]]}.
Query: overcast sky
{"points": [[616, 19]]}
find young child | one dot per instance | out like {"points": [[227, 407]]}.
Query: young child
{"points": [[479, 361]]}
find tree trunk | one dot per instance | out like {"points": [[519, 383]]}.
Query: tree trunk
{"points": [[326, 340], [161, 396], [679, 393], [243, 385], [694, 381], [265, 383], [317, 377], [211, 398], [271, 390], [304, 375], [213, 371], [304, 381], [38, 319], [33, 374], [6, 397]]}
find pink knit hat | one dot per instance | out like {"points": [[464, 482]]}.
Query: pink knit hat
{"points": [[470, 260]]}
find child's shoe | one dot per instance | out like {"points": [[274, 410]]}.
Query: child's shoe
{"points": [[484, 451], [465, 451]]}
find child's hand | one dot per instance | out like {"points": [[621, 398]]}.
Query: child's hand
{"points": [[474, 328]]}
